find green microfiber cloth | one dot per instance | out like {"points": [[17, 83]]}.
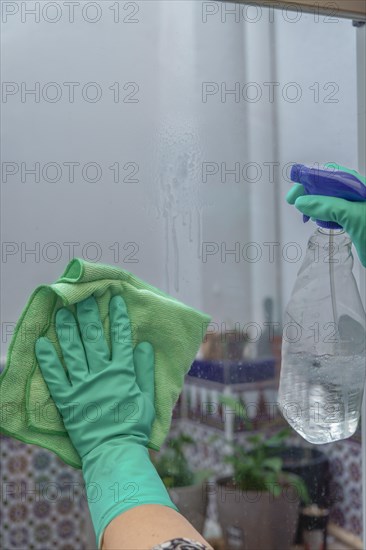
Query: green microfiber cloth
{"points": [[174, 329]]}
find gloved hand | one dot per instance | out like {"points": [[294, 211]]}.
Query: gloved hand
{"points": [[350, 215], [107, 406]]}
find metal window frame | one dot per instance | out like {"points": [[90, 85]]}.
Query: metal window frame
{"points": [[361, 93], [350, 9]]}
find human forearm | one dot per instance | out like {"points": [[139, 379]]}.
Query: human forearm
{"points": [[145, 526]]}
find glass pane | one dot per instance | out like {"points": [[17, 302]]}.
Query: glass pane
{"points": [[158, 137]]}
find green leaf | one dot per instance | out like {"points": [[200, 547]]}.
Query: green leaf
{"points": [[274, 464], [234, 404], [300, 486], [278, 438], [276, 490], [202, 475], [255, 439], [172, 465]]}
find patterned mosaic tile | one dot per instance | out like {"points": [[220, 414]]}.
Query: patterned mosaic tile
{"points": [[43, 501]]}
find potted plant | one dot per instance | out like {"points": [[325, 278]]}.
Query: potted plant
{"points": [[258, 505], [186, 488]]}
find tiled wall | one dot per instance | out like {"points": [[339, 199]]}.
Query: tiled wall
{"points": [[346, 484], [43, 501]]}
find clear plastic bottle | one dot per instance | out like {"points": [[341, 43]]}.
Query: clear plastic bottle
{"points": [[323, 351]]}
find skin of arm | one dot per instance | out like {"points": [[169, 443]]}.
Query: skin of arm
{"points": [[147, 525]]}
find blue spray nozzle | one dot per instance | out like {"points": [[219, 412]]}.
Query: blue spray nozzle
{"points": [[329, 182]]}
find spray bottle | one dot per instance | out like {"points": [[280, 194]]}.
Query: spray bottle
{"points": [[324, 334]]}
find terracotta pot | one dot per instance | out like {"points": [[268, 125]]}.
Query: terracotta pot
{"points": [[192, 503], [257, 520]]}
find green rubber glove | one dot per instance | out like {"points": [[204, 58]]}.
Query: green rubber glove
{"points": [[350, 215], [107, 406]]}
